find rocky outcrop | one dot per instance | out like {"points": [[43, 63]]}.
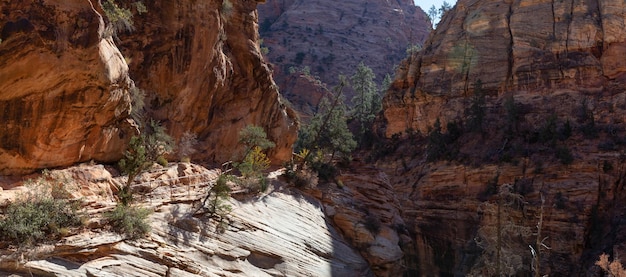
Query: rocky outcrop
{"points": [[279, 233], [199, 63], [332, 38], [566, 50], [365, 208], [64, 84], [63, 87], [551, 126]]}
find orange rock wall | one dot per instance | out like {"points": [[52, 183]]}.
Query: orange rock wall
{"points": [[63, 87]]}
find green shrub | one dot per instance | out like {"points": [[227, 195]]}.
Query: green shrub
{"points": [[162, 161], [129, 221], [120, 18], [37, 216]]}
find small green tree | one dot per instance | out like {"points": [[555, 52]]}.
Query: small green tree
{"points": [[328, 130], [254, 136], [255, 162], [366, 100], [433, 13], [143, 151]]}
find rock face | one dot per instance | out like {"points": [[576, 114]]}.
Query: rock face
{"points": [[332, 38], [280, 233], [565, 49], [63, 87], [200, 65], [552, 126], [64, 84]]}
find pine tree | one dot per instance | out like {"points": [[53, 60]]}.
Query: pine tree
{"points": [[328, 129], [366, 99]]}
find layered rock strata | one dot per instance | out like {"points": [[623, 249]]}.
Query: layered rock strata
{"points": [[279, 233], [568, 50]]}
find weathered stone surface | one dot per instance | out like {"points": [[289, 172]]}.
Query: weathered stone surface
{"points": [[332, 38], [64, 84], [365, 209], [554, 62], [63, 87], [200, 65], [530, 49], [279, 233]]}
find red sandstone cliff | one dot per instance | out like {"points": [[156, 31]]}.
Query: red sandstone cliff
{"points": [[63, 87], [333, 37], [201, 67], [64, 84], [553, 80]]}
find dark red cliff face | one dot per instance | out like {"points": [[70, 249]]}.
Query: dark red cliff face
{"points": [[331, 38], [553, 126]]}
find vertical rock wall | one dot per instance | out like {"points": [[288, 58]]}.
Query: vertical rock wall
{"points": [[63, 87], [200, 65]]}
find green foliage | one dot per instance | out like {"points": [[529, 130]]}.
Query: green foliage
{"points": [[142, 152], [476, 113], [216, 201], [548, 132], [254, 163], [38, 216], [298, 172], [332, 137], [129, 221], [226, 9], [157, 142], [587, 121], [442, 146], [162, 161], [433, 14], [134, 162], [253, 136], [366, 101], [412, 49], [119, 17], [299, 58]]}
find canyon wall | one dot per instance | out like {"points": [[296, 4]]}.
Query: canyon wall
{"points": [[63, 87], [551, 78], [331, 38], [65, 80], [201, 68], [530, 49]]}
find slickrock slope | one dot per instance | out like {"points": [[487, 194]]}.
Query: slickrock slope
{"points": [[333, 37], [534, 50], [63, 87], [280, 233], [200, 65]]}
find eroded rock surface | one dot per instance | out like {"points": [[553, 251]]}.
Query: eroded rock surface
{"points": [[199, 63], [564, 52], [279, 233], [63, 87]]}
